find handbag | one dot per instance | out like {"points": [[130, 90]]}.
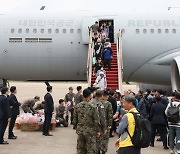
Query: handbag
{"points": [[98, 51]]}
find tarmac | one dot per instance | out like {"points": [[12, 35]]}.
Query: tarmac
{"points": [[64, 139]]}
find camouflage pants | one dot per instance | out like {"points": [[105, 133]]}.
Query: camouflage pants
{"points": [[102, 142], [105, 141], [86, 144]]}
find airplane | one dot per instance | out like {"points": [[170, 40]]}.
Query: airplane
{"points": [[53, 45]]}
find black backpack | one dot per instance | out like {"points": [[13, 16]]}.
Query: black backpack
{"points": [[173, 114], [142, 133]]}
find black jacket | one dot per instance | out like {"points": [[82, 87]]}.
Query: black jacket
{"points": [[113, 101], [14, 105], [158, 114], [4, 108], [49, 104]]}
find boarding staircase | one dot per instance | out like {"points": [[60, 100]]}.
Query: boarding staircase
{"points": [[114, 77]]}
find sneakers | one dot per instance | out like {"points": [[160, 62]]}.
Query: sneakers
{"points": [[177, 152], [172, 152]]}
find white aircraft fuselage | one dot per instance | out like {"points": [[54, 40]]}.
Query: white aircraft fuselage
{"points": [[52, 46]]}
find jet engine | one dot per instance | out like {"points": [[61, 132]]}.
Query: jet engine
{"points": [[175, 73]]}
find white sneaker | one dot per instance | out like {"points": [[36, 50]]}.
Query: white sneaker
{"points": [[177, 152], [172, 152]]}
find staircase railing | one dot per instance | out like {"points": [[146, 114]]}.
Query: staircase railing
{"points": [[90, 58], [120, 61]]}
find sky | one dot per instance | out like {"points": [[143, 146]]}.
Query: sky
{"points": [[21, 5]]}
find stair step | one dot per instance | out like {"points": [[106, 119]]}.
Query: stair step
{"points": [[112, 83], [112, 69]]}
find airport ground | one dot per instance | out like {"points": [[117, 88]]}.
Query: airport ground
{"points": [[64, 139]]}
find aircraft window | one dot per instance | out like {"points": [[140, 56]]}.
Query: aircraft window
{"points": [[42, 30], [14, 40], [152, 31], [64, 30], [12, 30], [34, 30], [31, 40], [20, 30], [79, 31], [71, 31], [49, 30], [144, 31], [174, 30], [166, 30], [45, 40], [57, 30], [27, 30], [137, 31], [159, 31]]}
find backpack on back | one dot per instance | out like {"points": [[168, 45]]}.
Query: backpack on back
{"points": [[107, 54], [142, 133], [173, 114]]}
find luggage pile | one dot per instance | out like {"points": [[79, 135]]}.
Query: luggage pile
{"points": [[29, 122]]}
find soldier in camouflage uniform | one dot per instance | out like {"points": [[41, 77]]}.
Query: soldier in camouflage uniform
{"points": [[69, 97], [78, 96], [28, 105], [86, 122], [60, 111], [109, 119], [97, 102]]}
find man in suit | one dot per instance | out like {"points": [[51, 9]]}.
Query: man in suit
{"points": [[14, 111], [4, 113], [49, 109]]}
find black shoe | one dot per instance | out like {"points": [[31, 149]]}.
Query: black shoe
{"points": [[12, 137], [4, 142], [48, 135], [166, 148], [151, 145], [111, 136]]}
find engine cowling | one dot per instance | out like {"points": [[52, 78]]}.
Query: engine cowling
{"points": [[175, 73]]}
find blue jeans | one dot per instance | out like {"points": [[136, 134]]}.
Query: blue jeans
{"points": [[174, 133]]}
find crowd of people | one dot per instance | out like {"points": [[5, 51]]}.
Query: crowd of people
{"points": [[102, 54], [98, 115]]}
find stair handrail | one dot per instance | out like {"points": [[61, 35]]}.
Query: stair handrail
{"points": [[120, 61], [90, 57]]}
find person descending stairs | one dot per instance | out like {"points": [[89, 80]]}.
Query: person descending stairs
{"points": [[111, 75]]}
